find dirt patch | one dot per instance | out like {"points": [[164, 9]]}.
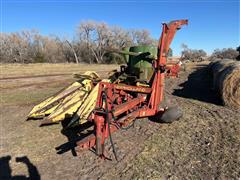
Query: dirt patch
{"points": [[204, 143]]}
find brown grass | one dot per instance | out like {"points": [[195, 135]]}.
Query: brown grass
{"points": [[29, 89], [19, 70], [203, 144]]}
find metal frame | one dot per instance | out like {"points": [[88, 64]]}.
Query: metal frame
{"points": [[118, 105]]}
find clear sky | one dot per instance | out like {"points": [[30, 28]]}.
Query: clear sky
{"points": [[212, 24]]}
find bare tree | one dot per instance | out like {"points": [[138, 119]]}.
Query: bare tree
{"points": [[142, 37], [119, 38], [184, 46], [90, 44], [192, 54], [238, 49], [74, 52], [226, 53]]}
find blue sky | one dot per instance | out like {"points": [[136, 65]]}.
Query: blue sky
{"points": [[212, 24]]}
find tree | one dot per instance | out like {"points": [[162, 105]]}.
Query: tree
{"points": [[73, 50], [184, 46], [225, 53], [170, 52], [96, 36], [89, 45], [142, 37], [238, 57], [30, 47], [192, 54], [238, 49]]}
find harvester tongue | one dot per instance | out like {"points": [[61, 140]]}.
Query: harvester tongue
{"points": [[67, 102]]}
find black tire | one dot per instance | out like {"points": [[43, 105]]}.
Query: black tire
{"points": [[170, 115]]}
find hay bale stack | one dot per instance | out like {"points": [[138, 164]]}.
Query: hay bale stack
{"points": [[226, 80]]}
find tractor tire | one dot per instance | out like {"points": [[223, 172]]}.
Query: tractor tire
{"points": [[170, 115]]}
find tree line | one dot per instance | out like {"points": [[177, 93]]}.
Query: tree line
{"points": [[89, 45], [189, 54]]}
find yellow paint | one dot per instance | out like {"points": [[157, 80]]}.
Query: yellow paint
{"points": [[88, 105], [71, 103], [53, 105]]}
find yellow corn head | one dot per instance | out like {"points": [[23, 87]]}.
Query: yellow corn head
{"points": [[76, 102]]}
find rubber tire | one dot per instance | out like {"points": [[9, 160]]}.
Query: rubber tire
{"points": [[170, 115]]}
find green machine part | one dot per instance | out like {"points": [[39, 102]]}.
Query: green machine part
{"points": [[141, 65], [126, 56]]}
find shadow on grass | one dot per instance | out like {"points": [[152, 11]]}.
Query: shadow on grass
{"points": [[6, 171], [74, 135], [199, 87]]}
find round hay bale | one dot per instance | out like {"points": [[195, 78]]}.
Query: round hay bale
{"points": [[230, 85], [226, 81], [217, 68]]}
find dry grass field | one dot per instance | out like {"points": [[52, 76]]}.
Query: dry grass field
{"points": [[203, 144], [23, 70]]}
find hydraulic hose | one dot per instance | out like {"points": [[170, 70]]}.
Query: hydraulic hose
{"points": [[109, 130]]}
